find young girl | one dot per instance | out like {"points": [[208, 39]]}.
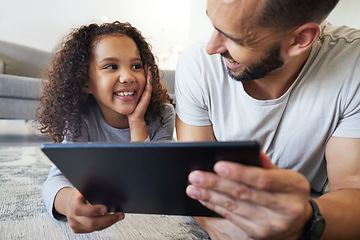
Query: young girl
{"points": [[103, 86]]}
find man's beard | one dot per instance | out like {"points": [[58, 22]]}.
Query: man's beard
{"points": [[268, 63]]}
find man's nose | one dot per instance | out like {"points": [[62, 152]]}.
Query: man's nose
{"points": [[216, 43], [126, 76]]}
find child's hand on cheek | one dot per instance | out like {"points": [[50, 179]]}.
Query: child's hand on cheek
{"points": [[136, 119], [139, 112]]}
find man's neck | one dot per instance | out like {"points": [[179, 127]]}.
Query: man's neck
{"points": [[276, 84]]}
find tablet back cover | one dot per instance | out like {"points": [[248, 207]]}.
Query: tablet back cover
{"points": [[148, 178]]}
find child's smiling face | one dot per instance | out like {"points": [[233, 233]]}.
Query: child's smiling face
{"points": [[117, 77]]}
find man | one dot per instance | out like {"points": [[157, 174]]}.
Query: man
{"points": [[273, 71]]}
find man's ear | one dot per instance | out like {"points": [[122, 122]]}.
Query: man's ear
{"points": [[303, 38]]}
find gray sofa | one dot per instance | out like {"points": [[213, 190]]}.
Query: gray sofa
{"points": [[20, 86], [169, 80], [19, 96]]}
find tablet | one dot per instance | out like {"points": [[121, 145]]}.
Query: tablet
{"points": [[148, 178]]}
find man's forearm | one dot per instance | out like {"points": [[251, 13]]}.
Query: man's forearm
{"points": [[341, 210]]}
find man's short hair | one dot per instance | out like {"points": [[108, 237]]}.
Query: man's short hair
{"points": [[289, 14]]}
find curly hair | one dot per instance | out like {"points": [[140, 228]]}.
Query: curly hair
{"points": [[64, 100]]}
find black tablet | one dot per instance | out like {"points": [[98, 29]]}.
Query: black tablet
{"points": [[148, 178]]}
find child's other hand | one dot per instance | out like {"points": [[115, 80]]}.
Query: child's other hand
{"points": [[86, 218], [139, 112]]}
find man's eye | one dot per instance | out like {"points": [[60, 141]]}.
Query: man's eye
{"points": [[112, 67]]}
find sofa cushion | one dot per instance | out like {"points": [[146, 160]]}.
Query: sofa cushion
{"points": [[2, 67], [22, 60], [12, 86], [12, 108], [169, 80]]}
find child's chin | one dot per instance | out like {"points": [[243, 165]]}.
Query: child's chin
{"points": [[126, 111]]}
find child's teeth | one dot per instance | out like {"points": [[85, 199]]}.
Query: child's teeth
{"points": [[122, 94]]}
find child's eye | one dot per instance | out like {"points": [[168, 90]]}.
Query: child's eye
{"points": [[137, 66], [112, 67]]}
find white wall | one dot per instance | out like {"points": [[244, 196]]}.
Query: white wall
{"points": [[43, 23], [169, 25], [347, 12]]}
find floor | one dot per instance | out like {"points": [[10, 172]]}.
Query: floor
{"points": [[19, 132]]}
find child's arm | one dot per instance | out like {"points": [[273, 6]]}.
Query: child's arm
{"points": [[83, 217], [137, 125], [53, 184]]}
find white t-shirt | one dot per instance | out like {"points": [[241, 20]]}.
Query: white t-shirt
{"points": [[323, 101]]}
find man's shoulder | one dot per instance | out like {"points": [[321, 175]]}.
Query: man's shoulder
{"points": [[337, 33], [195, 58], [338, 47], [197, 50]]}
